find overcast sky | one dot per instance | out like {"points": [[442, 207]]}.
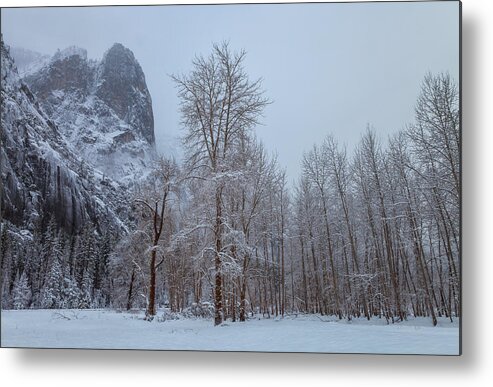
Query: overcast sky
{"points": [[329, 68]]}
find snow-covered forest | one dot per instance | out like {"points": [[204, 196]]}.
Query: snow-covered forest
{"points": [[371, 233]]}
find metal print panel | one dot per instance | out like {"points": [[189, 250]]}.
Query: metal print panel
{"points": [[261, 177]]}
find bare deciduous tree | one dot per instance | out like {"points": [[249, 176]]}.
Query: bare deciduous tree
{"points": [[218, 105], [165, 174]]}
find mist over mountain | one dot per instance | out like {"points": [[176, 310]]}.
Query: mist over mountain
{"points": [[103, 108], [27, 61]]}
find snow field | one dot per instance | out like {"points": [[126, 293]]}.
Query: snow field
{"points": [[107, 329]]}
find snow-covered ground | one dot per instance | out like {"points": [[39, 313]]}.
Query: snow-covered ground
{"points": [[110, 329]]}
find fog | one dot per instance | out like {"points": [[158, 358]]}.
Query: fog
{"points": [[329, 68]]}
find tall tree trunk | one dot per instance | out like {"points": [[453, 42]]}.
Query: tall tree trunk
{"points": [[331, 257], [243, 284], [130, 290], [218, 291], [151, 306], [303, 271]]}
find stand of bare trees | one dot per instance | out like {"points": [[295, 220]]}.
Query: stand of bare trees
{"points": [[372, 234], [382, 229]]}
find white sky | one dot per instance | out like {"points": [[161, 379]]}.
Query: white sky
{"points": [[329, 68]]}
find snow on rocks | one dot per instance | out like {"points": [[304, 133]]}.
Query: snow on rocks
{"points": [[69, 52], [103, 109]]}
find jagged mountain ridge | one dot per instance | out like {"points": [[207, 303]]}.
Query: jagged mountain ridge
{"points": [[103, 108], [41, 175]]}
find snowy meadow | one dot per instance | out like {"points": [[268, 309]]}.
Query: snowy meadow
{"points": [[108, 329]]}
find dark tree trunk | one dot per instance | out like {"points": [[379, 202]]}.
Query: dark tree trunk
{"points": [[151, 307], [130, 290], [218, 293]]}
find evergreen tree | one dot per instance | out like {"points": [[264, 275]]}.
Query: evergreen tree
{"points": [[86, 290], [71, 294], [33, 270], [5, 263], [86, 255], [21, 294], [101, 283], [51, 295]]}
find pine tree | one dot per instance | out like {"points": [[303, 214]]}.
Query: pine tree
{"points": [[86, 290], [5, 264], [101, 286], [51, 295], [21, 294], [71, 294]]}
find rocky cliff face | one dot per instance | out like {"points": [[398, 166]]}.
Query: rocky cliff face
{"points": [[103, 109], [67, 71], [122, 86], [41, 176]]}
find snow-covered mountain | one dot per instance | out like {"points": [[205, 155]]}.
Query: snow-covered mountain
{"points": [[103, 109], [42, 177]]}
